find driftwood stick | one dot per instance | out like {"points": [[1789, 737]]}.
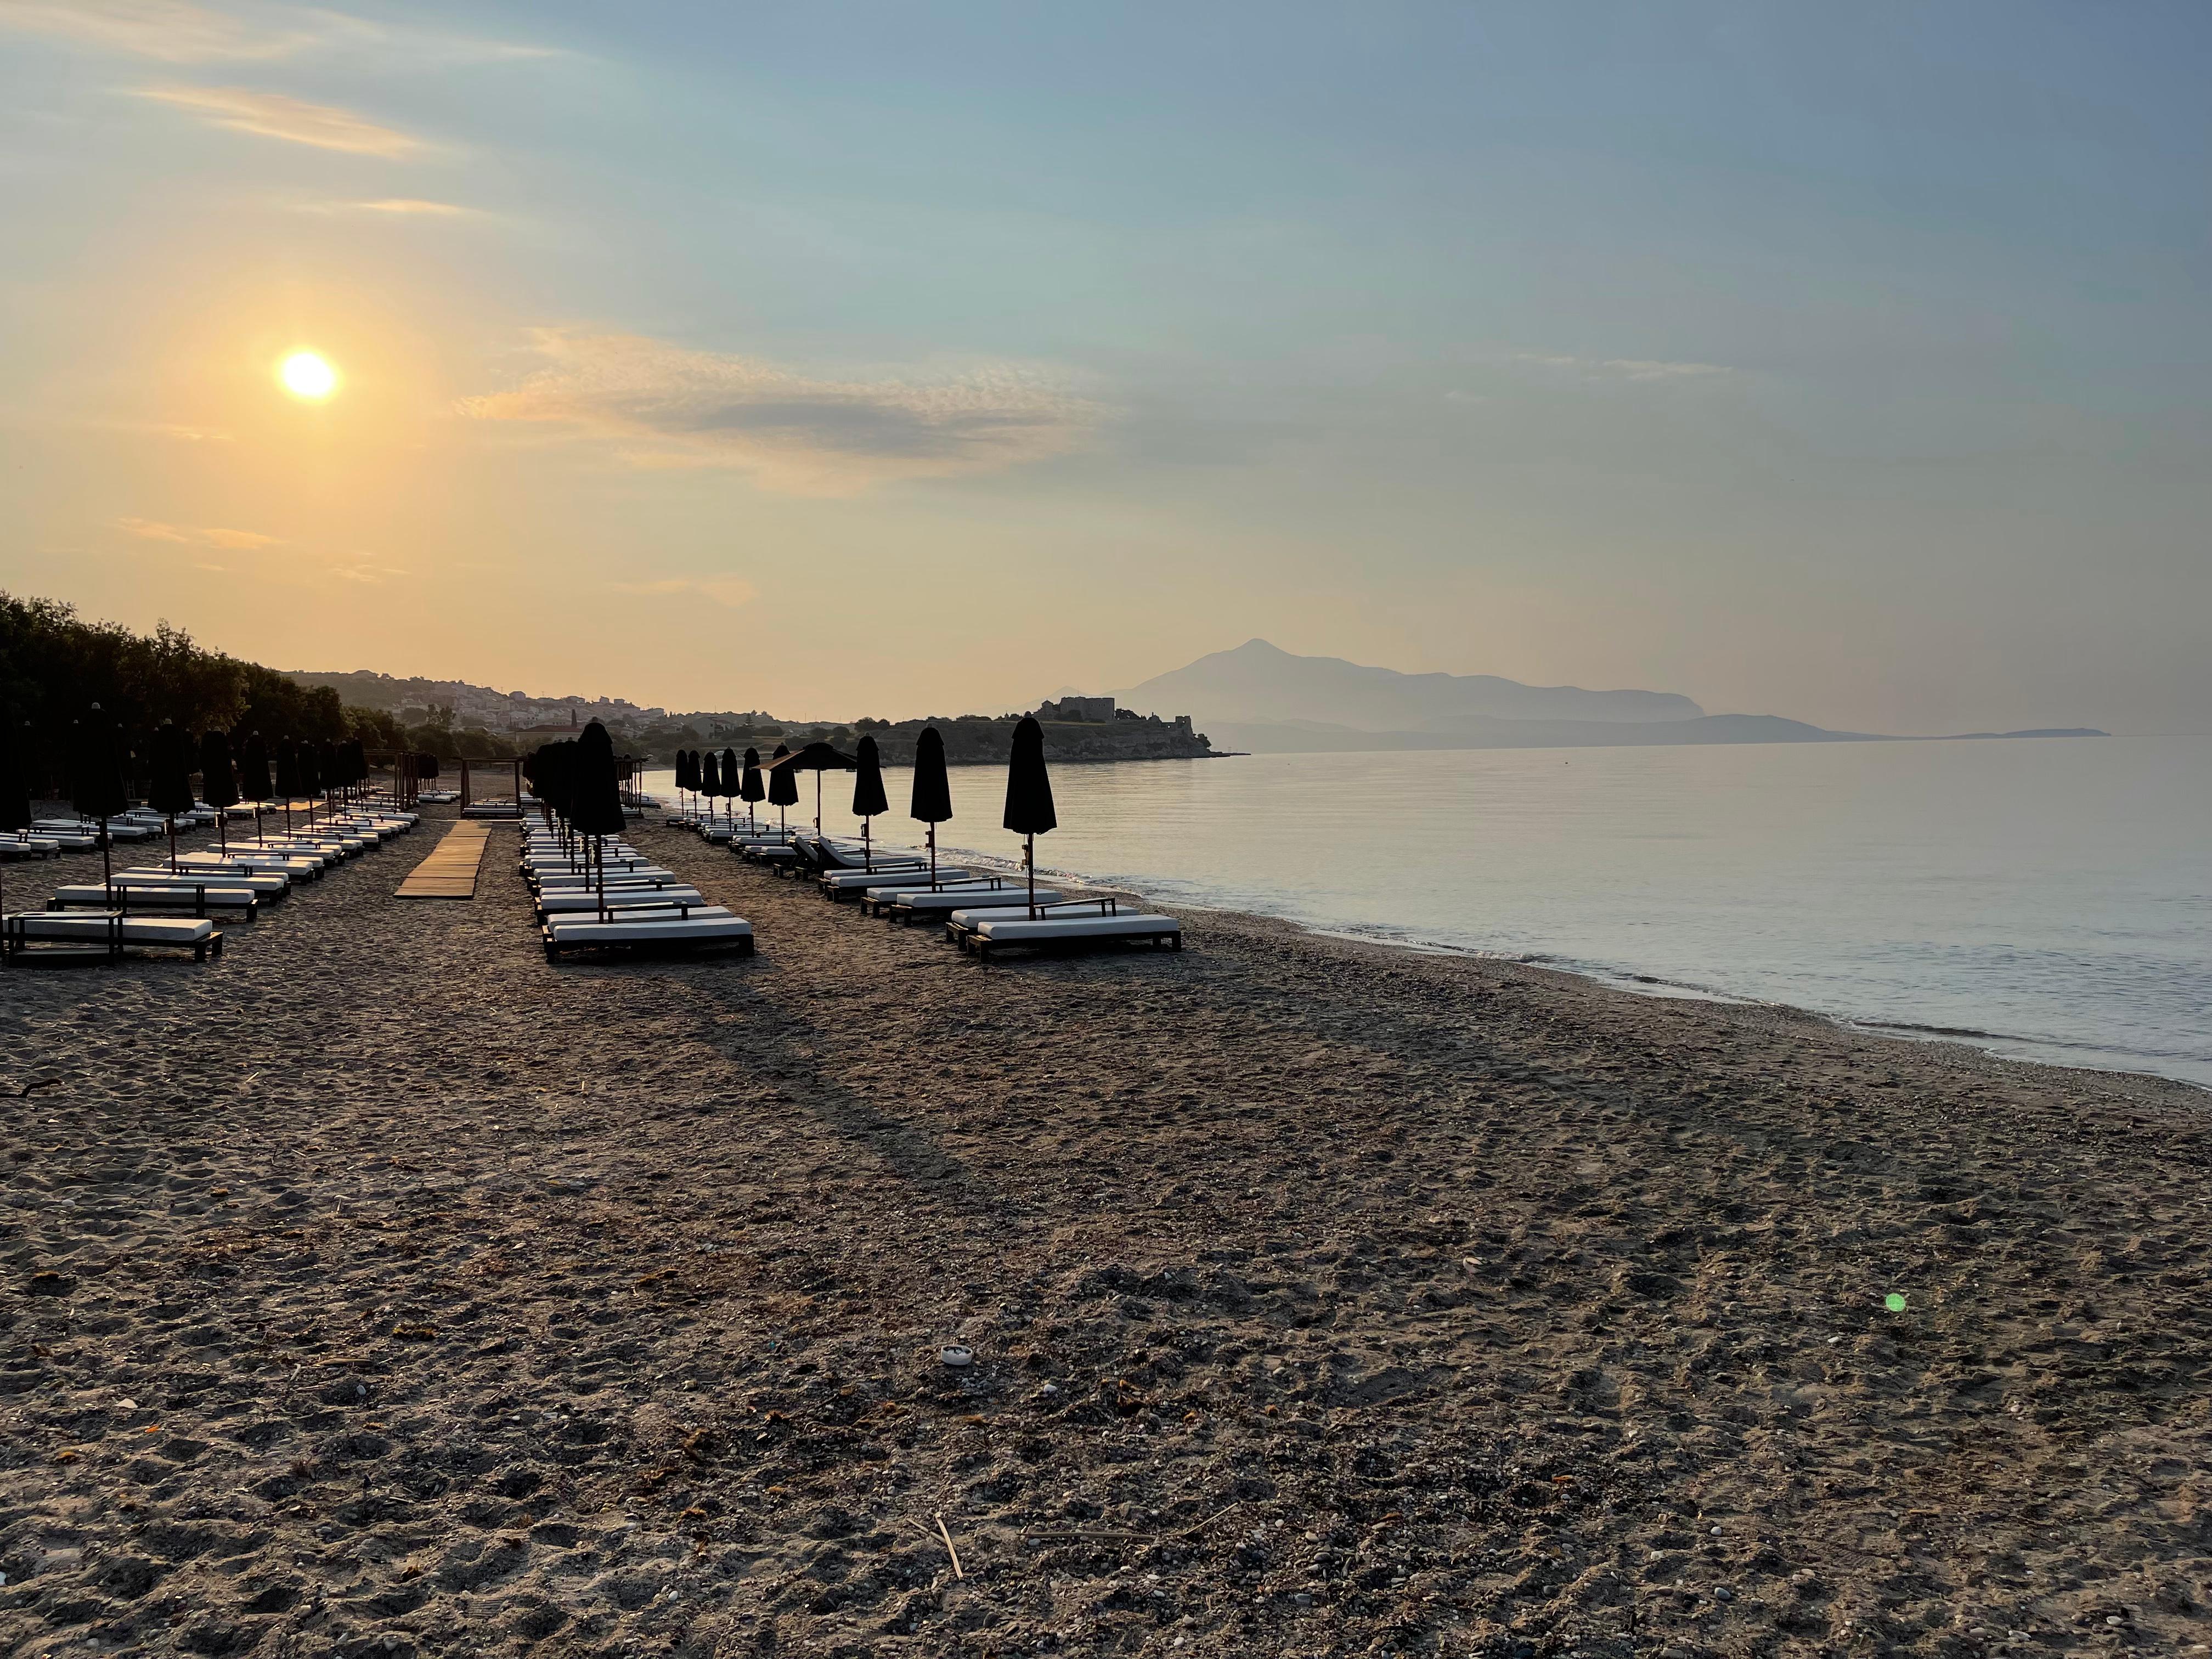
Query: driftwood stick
{"points": [[1188, 1532], [946, 1535]]}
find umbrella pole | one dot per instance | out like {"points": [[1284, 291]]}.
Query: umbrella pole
{"points": [[173, 865], [818, 803], [1028, 858], [106, 867], [867, 845], [932, 857]]}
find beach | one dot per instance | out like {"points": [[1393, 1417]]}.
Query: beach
{"points": [[383, 1289]]}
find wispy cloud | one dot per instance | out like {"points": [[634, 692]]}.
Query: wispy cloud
{"points": [[169, 30], [408, 204], [153, 530], [272, 115], [395, 206], [1621, 368], [731, 591], [178, 32], [663, 406]]}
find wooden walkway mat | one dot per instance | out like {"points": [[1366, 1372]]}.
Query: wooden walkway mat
{"points": [[450, 872]]}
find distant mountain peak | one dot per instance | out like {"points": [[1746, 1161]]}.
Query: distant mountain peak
{"points": [[1258, 681]]}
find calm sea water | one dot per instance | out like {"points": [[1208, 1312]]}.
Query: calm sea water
{"points": [[2046, 898]]}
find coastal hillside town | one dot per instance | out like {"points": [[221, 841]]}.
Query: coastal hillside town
{"points": [[454, 718]]}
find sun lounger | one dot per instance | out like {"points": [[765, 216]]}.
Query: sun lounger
{"points": [[671, 927], [21, 846], [1085, 923], [270, 883], [848, 884], [906, 904], [253, 864], [237, 904], [31, 936], [585, 901]]}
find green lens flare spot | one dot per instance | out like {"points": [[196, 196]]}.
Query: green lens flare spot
{"points": [[1893, 1302]]}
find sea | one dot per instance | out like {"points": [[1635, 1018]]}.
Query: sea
{"points": [[2049, 899]]}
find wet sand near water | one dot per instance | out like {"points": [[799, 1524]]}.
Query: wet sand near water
{"points": [[382, 1289]]}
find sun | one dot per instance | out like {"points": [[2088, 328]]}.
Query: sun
{"points": [[307, 374]]}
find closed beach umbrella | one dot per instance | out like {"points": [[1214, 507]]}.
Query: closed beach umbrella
{"points": [[933, 790], [782, 786], [289, 777], [868, 799], [218, 787], [730, 781], [597, 795], [96, 785], [310, 773], [751, 786], [1029, 795], [710, 778], [15, 782], [170, 791], [253, 776], [683, 775]]}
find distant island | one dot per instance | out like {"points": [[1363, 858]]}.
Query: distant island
{"points": [[1255, 699], [1263, 699]]}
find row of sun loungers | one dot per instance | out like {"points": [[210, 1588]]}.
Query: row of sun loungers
{"points": [[621, 902], [980, 912], [164, 906]]}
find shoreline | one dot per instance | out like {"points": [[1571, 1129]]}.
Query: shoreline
{"points": [[1625, 980], [382, 1289]]}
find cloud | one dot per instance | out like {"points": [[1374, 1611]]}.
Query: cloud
{"points": [[1622, 368], [178, 31], [170, 30], [152, 530], [408, 204], [149, 530], [272, 115], [731, 591], [663, 406]]}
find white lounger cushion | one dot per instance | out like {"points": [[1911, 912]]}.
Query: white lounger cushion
{"points": [[885, 875], [260, 881], [93, 930], [959, 899], [709, 924], [621, 898], [1011, 930], [135, 896]]}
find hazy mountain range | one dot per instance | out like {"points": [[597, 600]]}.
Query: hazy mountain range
{"points": [[1262, 698]]}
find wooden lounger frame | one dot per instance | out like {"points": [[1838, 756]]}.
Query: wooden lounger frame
{"points": [[744, 947], [16, 947], [982, 947]]}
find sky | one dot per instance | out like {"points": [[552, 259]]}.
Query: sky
{"points": [[1841, 363]]}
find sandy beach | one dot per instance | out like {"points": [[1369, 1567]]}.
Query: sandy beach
{"points": [[384, 1290]]}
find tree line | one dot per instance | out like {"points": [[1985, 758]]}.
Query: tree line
{"points": [[55, 666]]}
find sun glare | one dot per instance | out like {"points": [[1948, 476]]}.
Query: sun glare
{"points": [[306, 374]]}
